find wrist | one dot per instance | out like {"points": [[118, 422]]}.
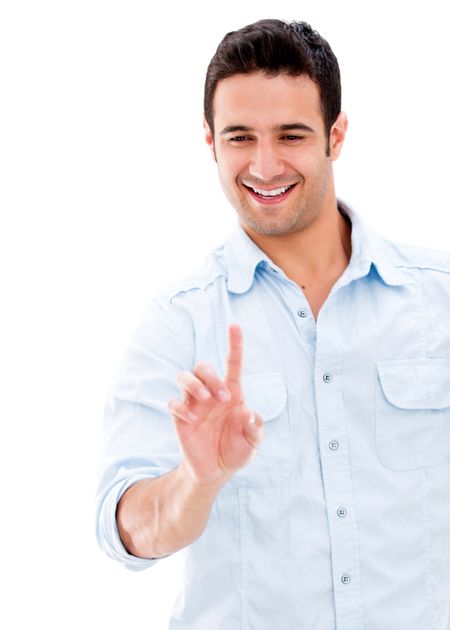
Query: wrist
{"points": [[213, 484]]}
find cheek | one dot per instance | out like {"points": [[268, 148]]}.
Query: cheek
{"points": [[230, 166], [312, 164]]}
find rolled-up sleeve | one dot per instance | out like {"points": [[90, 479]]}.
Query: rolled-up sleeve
{"points": [[139, 439]]}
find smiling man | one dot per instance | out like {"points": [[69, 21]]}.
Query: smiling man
{"points": [[277, 173], [304, 473]]}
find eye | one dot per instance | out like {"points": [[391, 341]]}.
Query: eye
{"points": [[238, 139], [292, 138]]}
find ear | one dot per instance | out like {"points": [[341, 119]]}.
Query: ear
{"points": [[209, 138], [337, 135]]}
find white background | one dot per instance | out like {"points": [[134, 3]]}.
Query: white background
{"points": [[108, 192]]}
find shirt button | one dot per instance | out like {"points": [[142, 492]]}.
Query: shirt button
{"points": [[342, 512], [302, 312], [345, 579], [333, 445], [327, 377]]}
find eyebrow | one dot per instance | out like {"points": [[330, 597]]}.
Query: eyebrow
{"points": [[289, 127]]}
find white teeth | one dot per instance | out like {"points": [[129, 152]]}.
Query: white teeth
{"points": [[271, 193]]}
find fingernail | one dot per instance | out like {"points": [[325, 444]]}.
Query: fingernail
{"points": [[204, 393], [192, 416], [252, 419], [224, 395]]}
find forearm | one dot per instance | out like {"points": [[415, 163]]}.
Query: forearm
{"points": [[156, 517]]}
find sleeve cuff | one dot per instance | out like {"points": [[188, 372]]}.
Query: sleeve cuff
{"points": [[107, 531]]}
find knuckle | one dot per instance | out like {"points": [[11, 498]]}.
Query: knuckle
{"points": [[203, 368], [187, 398]]}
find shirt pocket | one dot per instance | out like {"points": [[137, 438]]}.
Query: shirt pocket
{"points": [[265, 393], [412, 413]]}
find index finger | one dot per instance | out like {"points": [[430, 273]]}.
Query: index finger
{"points": [[233, 365]]}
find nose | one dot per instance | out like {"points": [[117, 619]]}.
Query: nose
{"points": [[265, 163]]}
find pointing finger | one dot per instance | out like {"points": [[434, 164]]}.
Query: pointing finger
{"points": [[233, 366]]}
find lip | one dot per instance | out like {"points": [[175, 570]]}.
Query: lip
{"points": [[269, 201]]}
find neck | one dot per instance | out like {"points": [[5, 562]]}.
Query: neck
{"points": [[317, 253]]}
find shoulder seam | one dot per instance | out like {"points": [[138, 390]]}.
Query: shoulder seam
{"points": [[424, 268], [200, 286], [424, 258]]}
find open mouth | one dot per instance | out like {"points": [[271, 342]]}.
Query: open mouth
{"points": [[274, 195]]}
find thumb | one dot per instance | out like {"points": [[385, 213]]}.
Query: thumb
{"points": [[254, 429]]}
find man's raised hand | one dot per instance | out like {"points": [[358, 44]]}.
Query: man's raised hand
{"points": [[218, 433]]}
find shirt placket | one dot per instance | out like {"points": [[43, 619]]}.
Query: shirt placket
{"points": [[297, 304], [336, 472]]}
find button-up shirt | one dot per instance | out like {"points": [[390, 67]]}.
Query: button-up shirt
{"points": [[341, 521]]}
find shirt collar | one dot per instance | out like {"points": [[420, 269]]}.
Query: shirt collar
{"points": [[242, 255]]}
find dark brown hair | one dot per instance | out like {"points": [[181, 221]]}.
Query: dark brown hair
{"points": [[277, 47]]}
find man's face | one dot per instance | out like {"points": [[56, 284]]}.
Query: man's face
{"points": [[270, 147]]}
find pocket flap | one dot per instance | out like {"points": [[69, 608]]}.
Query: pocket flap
{"points": [[265, 393], [416, 383]]}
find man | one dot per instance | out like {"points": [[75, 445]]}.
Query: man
{"points": [[305, 469]]}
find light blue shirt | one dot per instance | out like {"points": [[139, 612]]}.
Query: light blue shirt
{"points": [[342, 519]]}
